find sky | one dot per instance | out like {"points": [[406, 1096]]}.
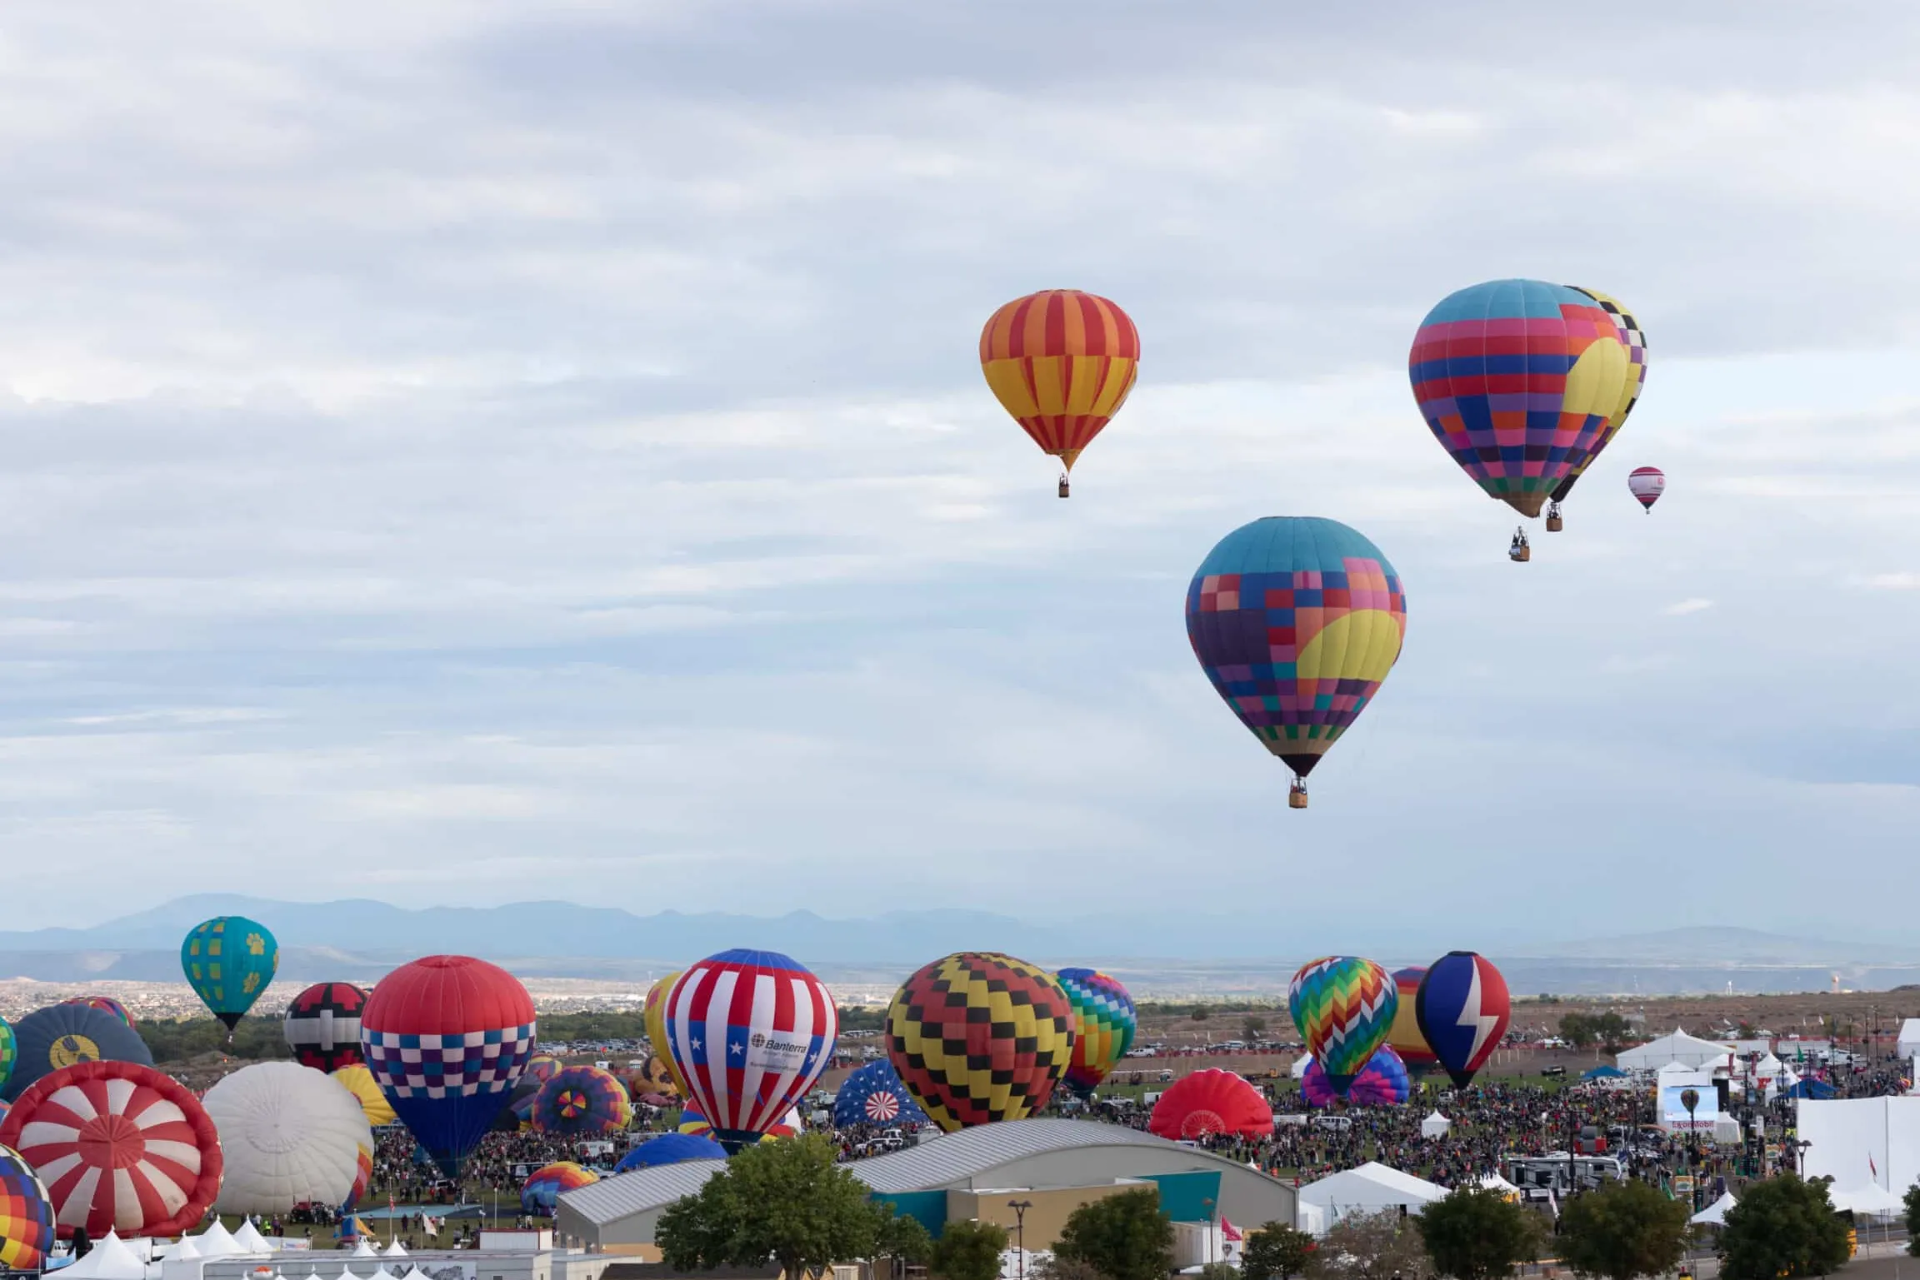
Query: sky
{"points": [[472, 451]]}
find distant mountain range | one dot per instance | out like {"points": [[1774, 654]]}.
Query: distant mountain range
{"points": [[362, 939]]}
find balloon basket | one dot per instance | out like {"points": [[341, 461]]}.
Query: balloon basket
{"points": [[1297, 798], [1520, 555], [1066, 490], [1555, 524]]}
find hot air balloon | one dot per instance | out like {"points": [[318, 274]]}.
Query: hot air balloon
{"points": [[542, 1067], [979, 1037], [653, 1079], [1061, 362], [323, 1025], [122, 1147], [63, 1034], [694, 1125], [542, 1190], [874, 1095], [289, 1135], [1516, 379], [229, 960], [1103, 1025], [1647, 484], [670, 1148], [26, 1215], [106, 1003], [581, 1102], [749, 1031], [1296, 620], [359, 1082], [653, 1016], [1211, 1102], [1344, 1007], [447, 1037], [1636, 343], [1404, 1037], [1383, 1082], [9, 1051], [1463, 1008]]}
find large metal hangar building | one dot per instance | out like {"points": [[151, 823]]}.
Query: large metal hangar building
{"points": [[1054, 1165]]}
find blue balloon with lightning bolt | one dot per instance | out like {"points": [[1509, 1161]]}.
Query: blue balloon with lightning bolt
{"points": [[1463, 1009]]}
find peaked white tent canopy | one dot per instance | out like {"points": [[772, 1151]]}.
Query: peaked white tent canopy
{"points": [[1869, 1198], [110, 1259], [248, 1237], [394, 1250], [181, 1250], [1300, 1065], [364, 1250], [1688, 1051], [1909, 1042], [1715, 1214], [1371, 1188], [1435, 1126]]}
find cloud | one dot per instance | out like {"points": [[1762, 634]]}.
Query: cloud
{"points": [[1681, 608]]}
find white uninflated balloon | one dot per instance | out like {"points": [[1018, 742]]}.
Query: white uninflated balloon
{"points": [[290, 1134]]}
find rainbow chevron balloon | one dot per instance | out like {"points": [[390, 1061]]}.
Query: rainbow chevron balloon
{"points": [[1344, 1007], [1103, 1025]]}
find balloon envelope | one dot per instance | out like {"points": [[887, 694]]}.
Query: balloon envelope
{"points": [[1296, 620], [653, 1015], [9, 1051], [229, 960], [581, 1102], [290, 1135], [750, 1031], [1647, 484], [107, 1003], [1464, 1009], [670, 1148], [1211, 1102], [544, 1186], [873, 1095], [63, 1034], [1636, 344], [1103, 1025], [1404, 1038], [359, 1082], [1383, 1082], [1061, 362], [1517, 379], [323, 1025], [26, 1215], [447, 1037], [1344, 1007], [122, 1147], [979, 1037]]}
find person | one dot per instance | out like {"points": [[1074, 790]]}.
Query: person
{"points": [[1518, 550]]}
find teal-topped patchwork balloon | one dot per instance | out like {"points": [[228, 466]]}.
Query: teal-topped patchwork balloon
{"points": [[8, 1051], [229, 960]]}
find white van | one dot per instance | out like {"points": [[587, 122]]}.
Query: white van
{"points": [[1339, 1124]]}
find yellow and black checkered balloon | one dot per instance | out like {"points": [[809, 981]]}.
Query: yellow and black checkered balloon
{"points": [[979, 1037]]}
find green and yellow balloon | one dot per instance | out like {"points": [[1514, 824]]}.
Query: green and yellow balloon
{"points": [[229, 960]]}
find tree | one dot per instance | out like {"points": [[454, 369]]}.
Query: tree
{"points": [[1476, 1233], [901, 1237], [1253, 1028], [785, 1200], [1371, 1246], [1219, 1271], [1055, 1267], [1784, 1227], [1913, 1220], [968, 1251], [1200, 1013], [1275, 1252], [1124, 1237], [1624, 1230]]}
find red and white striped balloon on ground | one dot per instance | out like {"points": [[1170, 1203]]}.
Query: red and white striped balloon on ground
{"points": [[750, 1032], [121, 1146], [1647, 484]]}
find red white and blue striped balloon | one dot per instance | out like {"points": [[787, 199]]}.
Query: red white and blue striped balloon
{"points": [[750, 1032]]}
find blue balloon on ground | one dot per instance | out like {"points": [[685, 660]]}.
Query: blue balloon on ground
{"points": [[63, 1034], [671, 1148], [874, 1095]]}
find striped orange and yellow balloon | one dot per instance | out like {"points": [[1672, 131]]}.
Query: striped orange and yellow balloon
{"points": [[653, 1016], [1061, 362]]}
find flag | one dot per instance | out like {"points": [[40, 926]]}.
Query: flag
{"points": [[1228, 1231], [1872, 1167]]}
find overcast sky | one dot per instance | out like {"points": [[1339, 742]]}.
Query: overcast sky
{"points": [[461, 451]]}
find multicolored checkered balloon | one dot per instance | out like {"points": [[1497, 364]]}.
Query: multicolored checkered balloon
{"points": [[1344, 1007], [1103, 1025], [8, 1050], [979, 1037], [541, 1192], [26, 1215]]}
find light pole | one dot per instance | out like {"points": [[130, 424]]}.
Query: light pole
{"points": [[1020, 1208], [1207, 1248], [1690, 1098], [1800, 1150]]}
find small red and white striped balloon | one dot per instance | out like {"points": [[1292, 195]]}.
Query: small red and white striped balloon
{"points": [[121, 1147], [1647, 484], [750, 1031]]}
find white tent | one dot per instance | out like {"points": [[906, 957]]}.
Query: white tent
{"points": [[1300, 1065], [1689, 1051], [364, 1250], [1909, 1042], [398, 1250], [183, 1249], [1869, 1198], [109, 1260], [1435, 1126], [248, 1237], [1715, 1214], [1371, 1188]]}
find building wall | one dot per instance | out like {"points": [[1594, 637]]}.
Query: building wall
{"points": [[1044, 1221], [1245, 1195]]}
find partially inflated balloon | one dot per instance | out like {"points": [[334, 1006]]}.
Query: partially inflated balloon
{"points": [[1404, 1038], [1636, 342], [1646, 484], [229, 960], [581, 1102], [26, 1215], [289, 1135], [1103, 1025], [653, 1016], [1517, 379], [359, 1082], [1463, 1008], [447, 1038], [1061, 362], [8, 1052], [61, 1035], [1344, 1007], [1383, 1082], [323, 1025], [544, 1186], [1296, 620], [106, 1003], [980, 1037]]}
